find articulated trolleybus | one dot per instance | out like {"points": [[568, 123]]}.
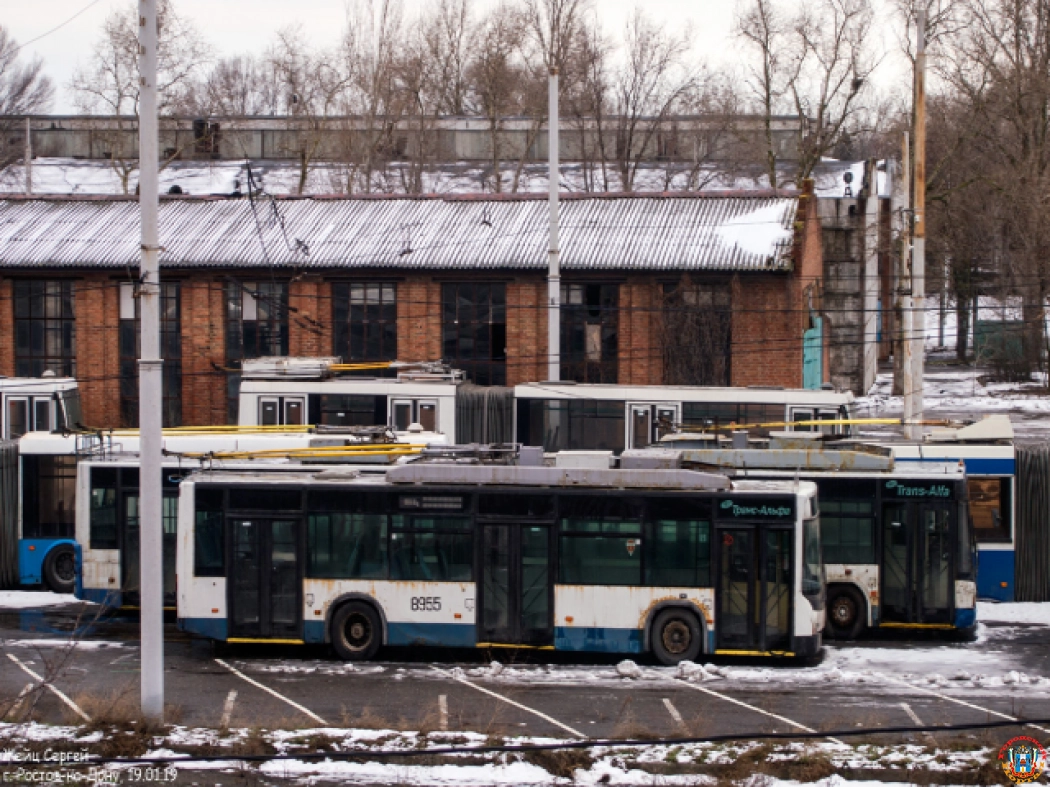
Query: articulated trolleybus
{"points": [[675, 562]]}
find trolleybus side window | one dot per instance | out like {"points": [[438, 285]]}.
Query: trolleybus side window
{"points": [[350, 410], [103, 518], [572, 424], [346, 536], [431, 538], [49, 485], [990, 507], [722, 414], [812, 564], [600, 540], [209, 543], [678, 542], [965, 546], [847, 514]]}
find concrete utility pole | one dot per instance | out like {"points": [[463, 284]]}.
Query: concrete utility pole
{"points": [[902, 341], [29, 157], [553, 260], [918, 252], [151, 561]]}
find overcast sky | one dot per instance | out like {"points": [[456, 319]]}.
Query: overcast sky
{"points": [[238, 26]]}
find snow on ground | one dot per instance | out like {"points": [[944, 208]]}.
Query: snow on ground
{"points": [[1033, 613], [35, 599]]}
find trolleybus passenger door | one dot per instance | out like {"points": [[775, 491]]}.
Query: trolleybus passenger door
{"points": [[514, 596], [649, 422], [754, 589], [131, 582], [916, 563], [265, 582]]}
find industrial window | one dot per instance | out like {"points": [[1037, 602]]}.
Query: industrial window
{"points": [[990, 508], [256, 327], [847, 530], [364, 321], [474, 330], [45, 328], [589, 332], [697, 333], [170, 351]]}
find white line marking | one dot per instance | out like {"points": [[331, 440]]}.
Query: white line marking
{"points": [[76, 708], [270, 691], [443, 710], [915, 718], [742, 704], [678, 720], [227, 709], [500, 697], [17, 704], [967, 704]]}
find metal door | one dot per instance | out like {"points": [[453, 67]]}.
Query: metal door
{"points": [[514, 597], [754, 588], [131, 545], [264, 588], [917, 563]]}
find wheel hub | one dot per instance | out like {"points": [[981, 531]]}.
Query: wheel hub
{"points": [[843, 611], [676, 637], [358, 632]]}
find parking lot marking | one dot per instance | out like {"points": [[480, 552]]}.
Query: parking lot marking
{"points": [[915, 718], [76, 708], [270, 691], [227, 709], [17, 704], [678, 720], [509, 701], [443, 710], [743, 704], [968, 704]]}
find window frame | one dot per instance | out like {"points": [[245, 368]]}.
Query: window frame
{"points": [[35, 302], [365, 330], [464, 320], [129, 333], [578, 316]]}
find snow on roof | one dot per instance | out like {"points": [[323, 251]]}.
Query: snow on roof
{"points": [[728, 231]]}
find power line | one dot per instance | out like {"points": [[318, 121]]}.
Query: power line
{"points": [[56, 27]]}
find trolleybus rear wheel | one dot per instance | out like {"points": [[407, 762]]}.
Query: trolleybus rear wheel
{"points": [[676, 636], [845, 613], [356, 631]]}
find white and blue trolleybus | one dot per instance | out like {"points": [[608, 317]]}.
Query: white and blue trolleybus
{"points": [[676, 562]]}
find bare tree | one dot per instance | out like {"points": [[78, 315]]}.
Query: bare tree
{"points": [[24, 90], [814, 61], [109, 83]]}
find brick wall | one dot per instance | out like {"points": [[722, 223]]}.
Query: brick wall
{"points": [[526, 330], [418, 319], [641, 352], [203, 351], [97, 309], [7, 329], [310, 317]]}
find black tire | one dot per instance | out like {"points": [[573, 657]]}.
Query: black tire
{"points": [[60, 569], [847, 614], [356, 631], [676, 636]]}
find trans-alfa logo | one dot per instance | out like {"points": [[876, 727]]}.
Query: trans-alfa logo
{"points": [[935, 490], [738, 510]]}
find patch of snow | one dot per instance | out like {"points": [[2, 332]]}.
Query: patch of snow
{"points": [[515, 773], [758, 231], [36, 599], [628, 669], [83, 644], [1026, 612]]}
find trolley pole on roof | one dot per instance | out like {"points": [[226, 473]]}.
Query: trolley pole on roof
{"points": [[150, 365], [918, 253], [554, 263]]}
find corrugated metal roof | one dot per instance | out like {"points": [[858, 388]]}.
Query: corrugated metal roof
{"points": [[733, 232]]}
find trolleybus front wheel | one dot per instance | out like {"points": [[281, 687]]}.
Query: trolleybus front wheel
{"points": [[676, 636], [845, 613], [356, 631]]}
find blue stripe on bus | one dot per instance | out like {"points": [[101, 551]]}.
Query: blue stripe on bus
{"points": [[965, 618], [974, 465], [599, 640], [313, 631], [213, 628], [107, 598], [456, 635], [995, 567]]}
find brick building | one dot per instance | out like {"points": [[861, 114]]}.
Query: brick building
{"points": [[658, 288]]}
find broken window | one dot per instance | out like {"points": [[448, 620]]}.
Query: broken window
{"points": [[697, 333], [590, 332]]}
